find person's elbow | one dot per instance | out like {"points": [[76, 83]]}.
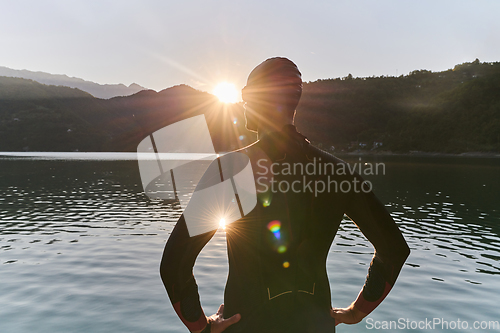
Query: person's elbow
{"points": [[403, 251], [167, 261], [397, 252], [407, 251]]}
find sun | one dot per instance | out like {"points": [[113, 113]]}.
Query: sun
{"points": [[226, 92]]}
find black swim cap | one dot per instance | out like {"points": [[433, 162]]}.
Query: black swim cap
{"points": [[274, 79]]}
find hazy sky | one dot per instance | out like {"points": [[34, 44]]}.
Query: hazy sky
{"points": [[158, 44]]}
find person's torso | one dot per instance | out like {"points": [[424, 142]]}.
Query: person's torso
{"points": [[277, 253]]}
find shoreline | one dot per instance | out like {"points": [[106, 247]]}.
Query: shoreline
{"points": [[419, 154], [354, 153]]}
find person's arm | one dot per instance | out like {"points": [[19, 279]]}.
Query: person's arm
{"points": [[391, 251], [176, 270]]}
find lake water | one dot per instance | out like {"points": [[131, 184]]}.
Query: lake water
{"points": [[80, 246]]}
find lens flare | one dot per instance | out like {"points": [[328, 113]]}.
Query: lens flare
{"points": [[286, 264], [274, 226], [226, 92], [222, 223]]}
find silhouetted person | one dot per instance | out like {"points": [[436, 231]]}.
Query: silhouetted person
{"points": [[277, 253]]}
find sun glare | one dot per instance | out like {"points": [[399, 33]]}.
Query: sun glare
{"points": [[226, 92], [222, 223]]}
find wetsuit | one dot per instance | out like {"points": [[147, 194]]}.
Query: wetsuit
{"points": [[277, 253]]}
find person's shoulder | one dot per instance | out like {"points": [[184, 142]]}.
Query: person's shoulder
{"points": [[336, 166], [316, 152], [253, 151], [247, 149]]}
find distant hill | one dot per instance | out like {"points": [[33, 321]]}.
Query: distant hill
{"points": [[453, 111], [97, 90], [38, 117]]}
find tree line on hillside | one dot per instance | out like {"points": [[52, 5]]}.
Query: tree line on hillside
{"points": [[452, 111]]}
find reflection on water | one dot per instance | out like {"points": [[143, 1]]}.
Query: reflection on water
{"points": [[80, 246], [447, 210]]}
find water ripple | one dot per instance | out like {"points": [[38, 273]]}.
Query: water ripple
{"points": [[80, 246]]}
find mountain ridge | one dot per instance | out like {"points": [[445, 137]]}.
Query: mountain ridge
{"points": [[38, 117], [104, 91], [453, 111]]}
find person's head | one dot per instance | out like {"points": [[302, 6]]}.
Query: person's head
{"points": [[272, 93]]}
